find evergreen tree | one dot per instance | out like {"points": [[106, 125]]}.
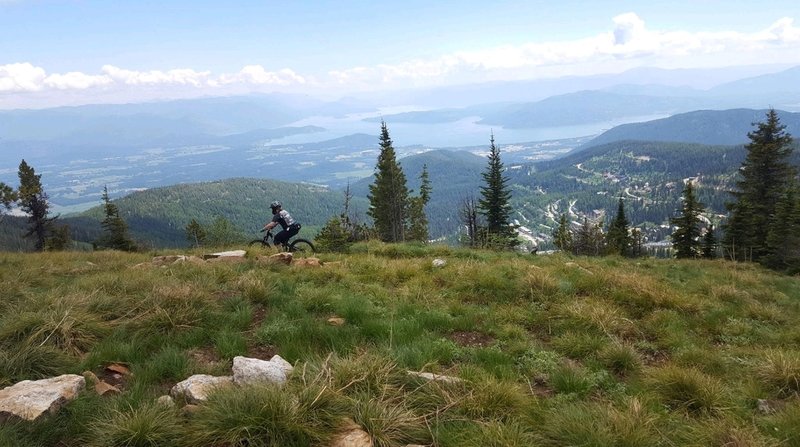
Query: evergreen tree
{"points": [[710, 243], [686, 237], [495, 204], [115, 236], [195, 233], [618, 238], [388, 195], [637, 243], [418, 221], [60, 239], [333, 236], [589, 239], [562, 236], [7, 196], [33, 201], [783, 236], [764, 176], [222, 233]]}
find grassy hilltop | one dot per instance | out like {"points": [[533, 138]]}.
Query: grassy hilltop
{"points": [[551, 350]]}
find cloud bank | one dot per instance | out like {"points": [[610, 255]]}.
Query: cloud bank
{"points": [[628, 41]]}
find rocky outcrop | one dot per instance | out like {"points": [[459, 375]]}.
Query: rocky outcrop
{"points": [[278, 258], [226, 254], [247, 371], [308, 262], [29, 400], [196, 388], [355, 437]]}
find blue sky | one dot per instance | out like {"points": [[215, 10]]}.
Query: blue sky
{"points": [[97, 51]]}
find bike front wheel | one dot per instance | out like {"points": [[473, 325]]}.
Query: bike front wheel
{"points": [[301, 246]]}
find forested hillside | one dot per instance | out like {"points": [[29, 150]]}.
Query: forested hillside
{"points": [[703, 127], [158, 216], [647, 175]]}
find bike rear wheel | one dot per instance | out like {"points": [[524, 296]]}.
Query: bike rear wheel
{"points": [[301, 246]]}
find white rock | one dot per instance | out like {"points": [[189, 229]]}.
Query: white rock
{"points": [[435, 377], [31, 399], [439, 262], [197, 387], [249, 371], [227, 254]]}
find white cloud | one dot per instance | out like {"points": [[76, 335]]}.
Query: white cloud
{"points": [[258, 75], [182, 76], [628, 39], [627, 43], [22, 77], [75, 80]]}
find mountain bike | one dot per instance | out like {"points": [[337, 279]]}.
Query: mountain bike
{"points": [[298, 245]]}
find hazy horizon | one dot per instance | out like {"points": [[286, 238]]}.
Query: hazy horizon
{"points": [[65, 52]]}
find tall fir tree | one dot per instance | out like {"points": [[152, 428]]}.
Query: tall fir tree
{"points": [[388, 195], [764, 176], [495, 203], [418, 220], [562, 235], [783, 235], [115, 230], [710, 243], [589, 239], [33, 201], [686, 237], [618, 238]]}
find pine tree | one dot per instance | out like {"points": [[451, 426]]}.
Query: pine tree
{"points": [[60, 239], [195, 233], [333, 236], [33, 201], [562, 236], [710, 243], [222, 233], [115, 236], [783, 235], [495, 204], [388, 195], [686, 237], [469, 217], [764, 176], [7, 197], [418, 221], [618, 238]]}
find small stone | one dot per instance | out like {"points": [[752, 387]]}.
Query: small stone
{"points": [[248, 371], [90, 377], [764, 407], [197, 387], [435, 377], [103, 388], [278, 258], [166, 260], [118, 368], [29, 400], [166, 401], [353, 438], [226, 254], [439, 262], [308, 262], [336, 321]]}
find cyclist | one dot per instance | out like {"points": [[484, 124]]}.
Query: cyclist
{"points": [[281, 217]]}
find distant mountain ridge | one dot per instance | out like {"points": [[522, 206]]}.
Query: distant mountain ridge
{"points": [[725, 127]]}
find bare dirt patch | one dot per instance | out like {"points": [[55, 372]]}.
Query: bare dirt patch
{"points": [[206, 355], [471, 338], [263, 352]]}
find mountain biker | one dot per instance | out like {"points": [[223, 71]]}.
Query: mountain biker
{"points": [[281, 217]]}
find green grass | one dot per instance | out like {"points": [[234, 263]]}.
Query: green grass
{"points": [[614, 353]]}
